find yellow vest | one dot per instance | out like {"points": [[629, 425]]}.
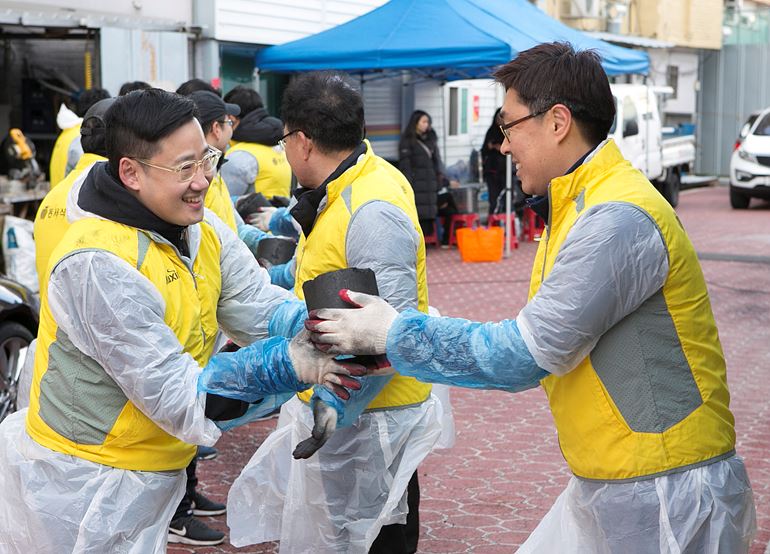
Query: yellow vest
{"points": [[274, 176], [75, 407], [51, 219], [58, 167], [370, 179], [218, 201], [597, 436]]}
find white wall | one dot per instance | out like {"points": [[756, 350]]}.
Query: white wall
{"points": [[159, 58], [279, 21], [113, 12], [428, 97], [687, 62]]}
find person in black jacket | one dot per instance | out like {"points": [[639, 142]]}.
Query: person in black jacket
{"points": [[420, 161], [493, 168]]}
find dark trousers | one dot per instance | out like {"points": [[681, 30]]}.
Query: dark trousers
{"points": [[495, 187], [185, 505], [402, 538]]}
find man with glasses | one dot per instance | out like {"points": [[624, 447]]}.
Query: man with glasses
{"points": [[359, 492], [137, 290], [618, 331]]}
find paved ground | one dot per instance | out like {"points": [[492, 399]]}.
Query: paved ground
{"points": [[491, 489]]}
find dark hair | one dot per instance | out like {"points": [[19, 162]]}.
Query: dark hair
{"points": [[131, 86], [88, 98], [188, 87], [246, 98], [326, 108], [554, 73], [137, 121], [409, 134]]}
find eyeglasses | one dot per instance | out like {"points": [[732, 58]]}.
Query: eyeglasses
{"points": [[282, 140], [505, 126], [228, 121], [186, 171]]}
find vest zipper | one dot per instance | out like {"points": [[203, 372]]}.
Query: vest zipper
{"points": [[547, 235]]}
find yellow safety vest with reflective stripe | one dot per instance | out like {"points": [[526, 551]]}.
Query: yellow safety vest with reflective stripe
{"points": [[612, 423], [51, 219], [370, 179], [274, 175], [75, 407], [218, 201], [58, 167]]}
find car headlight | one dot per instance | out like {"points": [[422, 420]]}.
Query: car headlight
{"points": [[743, 176], [742, 154]]}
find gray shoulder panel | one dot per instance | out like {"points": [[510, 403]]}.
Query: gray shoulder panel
{"points": [[143, 247]]}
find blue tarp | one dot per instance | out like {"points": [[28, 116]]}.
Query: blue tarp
{"points": [[457, 38]]}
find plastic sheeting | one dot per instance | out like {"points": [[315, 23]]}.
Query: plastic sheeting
{"points": [[338, 500], [708, 510], [52, 503]]}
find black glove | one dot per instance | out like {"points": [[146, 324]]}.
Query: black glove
{"points": [[219, 408]]}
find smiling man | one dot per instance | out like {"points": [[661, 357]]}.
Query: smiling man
{"points": [[618, 331], [137, 290]]}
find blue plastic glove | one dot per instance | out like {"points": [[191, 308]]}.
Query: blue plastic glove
{"points": [[281, 224], [251, 236], [462, 353], [288, 319], [282, 275]]}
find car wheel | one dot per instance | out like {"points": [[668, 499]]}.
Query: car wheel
{"points": [[738, 200], [14, 341], [671, 186]]}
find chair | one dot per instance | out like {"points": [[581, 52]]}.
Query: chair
{"points": [[433, 237], [533, 225], [461, 220], [499, 219]]}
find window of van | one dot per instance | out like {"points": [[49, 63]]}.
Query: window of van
{"points": [[630, 118]]}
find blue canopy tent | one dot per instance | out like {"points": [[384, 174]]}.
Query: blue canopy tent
{"points": [[447, 38], [441, 39]]}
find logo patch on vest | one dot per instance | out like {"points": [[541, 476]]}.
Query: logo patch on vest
{"points": [[171, 276]]}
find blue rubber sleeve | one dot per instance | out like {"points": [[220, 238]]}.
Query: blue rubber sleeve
{"points": [[282, 275], [253, 372], [288, 319], [251, 236], [281, 224], [462, 353]]}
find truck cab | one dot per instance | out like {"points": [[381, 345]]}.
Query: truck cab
{"points": [[638, 132]]}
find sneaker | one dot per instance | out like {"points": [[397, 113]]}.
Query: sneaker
{"points": [[190, 530], [202, 506], [206, 453]]}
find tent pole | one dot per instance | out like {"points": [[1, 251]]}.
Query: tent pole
{"points": [[508, 183], [444, 118]]}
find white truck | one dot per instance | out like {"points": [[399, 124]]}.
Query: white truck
{"points": [[638, 132]]}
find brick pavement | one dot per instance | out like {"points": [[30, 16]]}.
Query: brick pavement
{"points": [[489, 492]]}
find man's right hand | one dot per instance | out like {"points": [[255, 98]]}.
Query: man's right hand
{"points": [[319, 368]]}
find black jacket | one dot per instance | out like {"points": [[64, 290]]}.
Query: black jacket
{"points": [[420, 161], [259, 127]]}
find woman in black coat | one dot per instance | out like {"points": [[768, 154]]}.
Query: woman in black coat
{"points": [[420, 162]]}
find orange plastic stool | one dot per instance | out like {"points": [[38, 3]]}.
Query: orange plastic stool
{"points": [[499, 219], [461, 220], [533, 225]]}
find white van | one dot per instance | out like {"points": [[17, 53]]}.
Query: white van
{"points": [[638, 132]]}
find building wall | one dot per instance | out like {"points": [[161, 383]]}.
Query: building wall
{"points": [[688, 23], [681, 107], [278, 21], [69, 11]]}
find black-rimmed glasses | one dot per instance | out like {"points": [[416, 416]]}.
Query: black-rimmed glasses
{"points": [[282, 140], [505, 126]]}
